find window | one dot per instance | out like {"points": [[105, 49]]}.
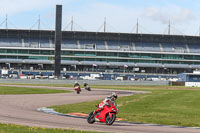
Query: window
{"points": [[34, 52], [21, 51], [12, 51], [45, 52], [3, 51]]}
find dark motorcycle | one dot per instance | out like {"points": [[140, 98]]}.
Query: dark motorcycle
{"points": [[87, 87]]}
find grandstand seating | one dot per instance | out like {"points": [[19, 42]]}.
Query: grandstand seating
{"points": [[10, 42], [120, 45], [90, 44], [147, 47], [194, 48], [69, 44], [101, 45], [178, 47], [66, 44], [36, 43]]}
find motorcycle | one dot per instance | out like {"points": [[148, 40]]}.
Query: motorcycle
{"points": [[107, 115], [77, 89], [88, 88]]}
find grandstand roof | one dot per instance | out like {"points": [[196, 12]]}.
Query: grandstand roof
{"points": [[100, 36]]}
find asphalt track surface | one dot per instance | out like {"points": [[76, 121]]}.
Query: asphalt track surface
{"points": [[22, 109]]}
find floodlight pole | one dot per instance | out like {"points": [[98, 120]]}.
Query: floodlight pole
{"points": [[137, 27], [6, 21], [199, 30], [39, 23], [169, 28], [58, 39], [105, 24], [72, 24]]}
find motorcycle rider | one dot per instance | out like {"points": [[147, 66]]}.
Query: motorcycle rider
{"points": [[76, 84], [107, 101], [85, 84]]}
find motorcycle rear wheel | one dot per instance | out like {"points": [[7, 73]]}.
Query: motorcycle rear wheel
{"points": [[110, 120], [91, 118], [88, 89]]}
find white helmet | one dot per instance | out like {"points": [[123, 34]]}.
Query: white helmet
{"points": [[114, 95]]}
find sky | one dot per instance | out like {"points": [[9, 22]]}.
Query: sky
{"points": [[121, 15]]}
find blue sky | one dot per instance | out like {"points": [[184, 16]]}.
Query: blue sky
{"points": [[121, 15]]}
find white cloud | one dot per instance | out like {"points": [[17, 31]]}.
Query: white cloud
{"points": [[175, 14]]}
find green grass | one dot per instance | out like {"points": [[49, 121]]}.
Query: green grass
{"points": [[51, 85], [5, 90], [165, 105], [11, 128]]}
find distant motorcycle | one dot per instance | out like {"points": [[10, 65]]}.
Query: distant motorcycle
{"points": [[107, 115], [87, 87], [77, 89]]}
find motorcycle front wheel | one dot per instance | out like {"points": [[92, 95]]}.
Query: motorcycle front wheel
{"points": [[91, 118], [110, 119]]}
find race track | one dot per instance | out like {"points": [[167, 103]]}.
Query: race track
{"points": [[22, 109]]}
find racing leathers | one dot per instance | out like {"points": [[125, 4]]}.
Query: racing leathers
{"points": [[107, 101], [76, 84], [85, 84]]}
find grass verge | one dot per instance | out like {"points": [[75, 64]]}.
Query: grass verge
{"points": [[165, 105], [11, 128], [5, 90]]}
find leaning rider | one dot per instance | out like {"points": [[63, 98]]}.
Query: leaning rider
{"points": [[76, 84], [85, 84], [107, 101]]}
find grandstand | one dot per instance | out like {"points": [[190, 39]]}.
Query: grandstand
{"points": [[100, 51]]}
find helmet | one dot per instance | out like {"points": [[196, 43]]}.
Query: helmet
{"points": [[114, 95], [75, 82]]}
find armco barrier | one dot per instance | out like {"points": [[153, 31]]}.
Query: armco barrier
{"points": [[90, 82]]}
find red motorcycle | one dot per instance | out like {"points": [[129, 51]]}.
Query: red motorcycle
{"points": [[77, 89], [107, 115]]}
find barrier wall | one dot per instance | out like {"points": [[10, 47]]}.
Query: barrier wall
{"points": [[90, 82]]}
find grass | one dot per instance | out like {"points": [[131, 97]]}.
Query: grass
{"points": [[165, 105], [11, 128], [5, 90], [51, 85]]}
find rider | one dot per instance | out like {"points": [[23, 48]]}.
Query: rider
{"points": [[76, 84], [85, 84], [107, 101]]}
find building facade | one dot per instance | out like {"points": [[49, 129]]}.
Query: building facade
{"points": [[100, 52]]}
